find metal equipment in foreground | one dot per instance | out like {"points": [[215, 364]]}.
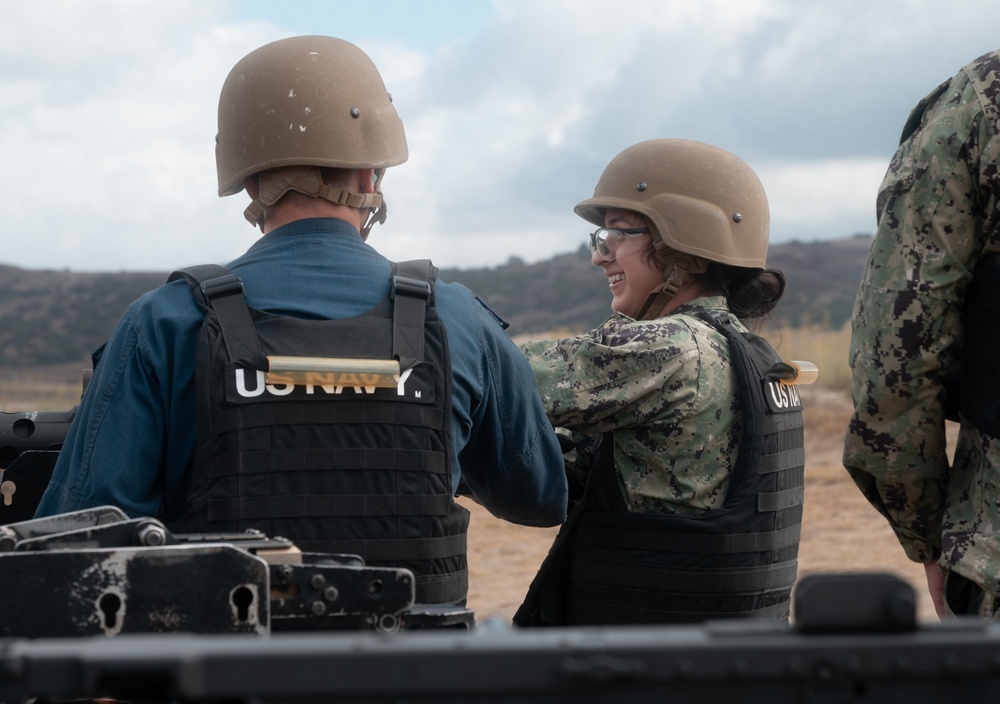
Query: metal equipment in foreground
{"points": [[876, 653], [99, 573]]}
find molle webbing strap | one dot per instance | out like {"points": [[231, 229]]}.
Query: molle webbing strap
{"points": [[780, 500], [447, 587], [360, 459], [650, 577], [311, 413], [250, 508], [392, 549], [218, 289], [602, 531], [412, 290], [601, 613], [781, 461]]}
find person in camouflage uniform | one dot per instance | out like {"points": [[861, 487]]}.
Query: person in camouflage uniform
{"points": [[921, 350], [657, 386], [651, 401]]}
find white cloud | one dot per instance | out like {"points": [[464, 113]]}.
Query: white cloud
{"points": [[807, 199], [109, 154], [108, 121]]}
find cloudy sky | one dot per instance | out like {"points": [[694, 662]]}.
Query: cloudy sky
{"points": [[512, 109]]}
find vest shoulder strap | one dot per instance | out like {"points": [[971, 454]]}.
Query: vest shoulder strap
{"points": [[412, 291], [219, 290]]}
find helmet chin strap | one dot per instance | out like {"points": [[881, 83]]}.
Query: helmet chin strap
{"points": [[676, 267], [308, 180], [376, 214]]}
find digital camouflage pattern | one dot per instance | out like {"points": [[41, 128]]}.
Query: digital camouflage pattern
{"points": [[937, 216], [667, 390]]}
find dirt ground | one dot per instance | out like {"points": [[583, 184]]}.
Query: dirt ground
{"points": [[841, 532]]}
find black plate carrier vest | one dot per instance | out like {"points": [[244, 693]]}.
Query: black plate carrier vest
{"points": [[973, 383], [335, 466], [612, 566]]}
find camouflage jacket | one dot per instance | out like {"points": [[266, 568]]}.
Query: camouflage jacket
{"points": [[937, 216], [666, 390]]}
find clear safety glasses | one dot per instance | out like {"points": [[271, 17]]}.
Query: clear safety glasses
{"points": [[605, 240]]}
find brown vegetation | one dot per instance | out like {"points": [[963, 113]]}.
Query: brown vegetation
{"points": [[55, 317]]}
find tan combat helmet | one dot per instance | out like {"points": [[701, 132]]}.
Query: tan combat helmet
{"points": [[702, 203], [298, 104]]}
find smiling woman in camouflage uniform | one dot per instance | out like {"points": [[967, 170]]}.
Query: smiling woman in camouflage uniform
{"points": [[926, 329], [693, 460]]}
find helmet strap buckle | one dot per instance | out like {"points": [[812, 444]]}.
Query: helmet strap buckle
{"points": [[677, 266], [307, 180]]}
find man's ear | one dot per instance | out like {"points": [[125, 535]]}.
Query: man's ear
{"points": [[252, 186], [366, 180]]}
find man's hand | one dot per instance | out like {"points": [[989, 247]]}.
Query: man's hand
{"points": [[935, 586]]}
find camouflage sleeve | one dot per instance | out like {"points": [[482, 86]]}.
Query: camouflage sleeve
{"points": [[931, 209], [615, 376]]}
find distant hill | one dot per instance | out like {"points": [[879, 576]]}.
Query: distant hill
{"points": [[58, 317], [822, 279], [568, 293]]}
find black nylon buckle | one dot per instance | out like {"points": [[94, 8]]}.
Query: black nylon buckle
{"points": [[415, 288], [222, 286]]}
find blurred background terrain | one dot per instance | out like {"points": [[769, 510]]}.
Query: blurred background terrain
{"points": [[58, 317]]}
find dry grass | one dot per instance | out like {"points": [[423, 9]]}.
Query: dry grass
{"points": [[40, 388], [825, 348]]}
